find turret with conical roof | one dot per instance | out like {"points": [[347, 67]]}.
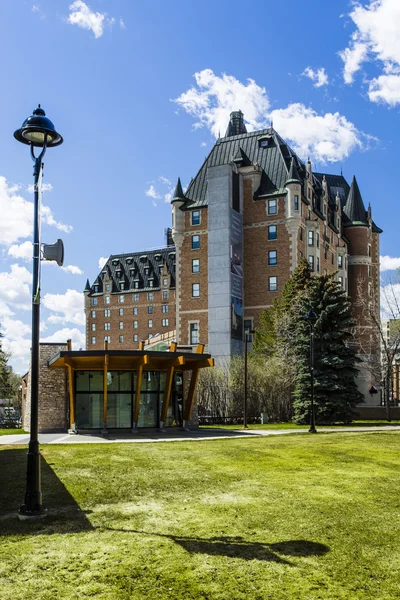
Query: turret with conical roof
{"points": [[354, 208], [178, 197], [236, 124], [293, 176], [87, 286]]}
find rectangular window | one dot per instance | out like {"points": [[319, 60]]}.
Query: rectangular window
{"points": [[96, 289], [272, 284], [165, 295], [340, 280], [107, 338], [107, 299], [135, 324], [122, 285], [150, 310], [301, 234], [272, 257], [194, 333], [273, 207], [195, 242], [317, 264], [311, 238], [150, 323], [107, 287], [121, 339], [93, 326], [325, 252], [369, 249], [150, 296], [107, 312], [369, 271], [340, 262], [93, 340], [94, 301], [136, 297], [151, 283], [195, 265], [272, 232], [121, 312], [107, 326], [165, 322], [122, 299], [195, 290], [135, 310], [195, 217], [317, 239], [309, 214], [332, 261], [93, 314], [164, 308], [121, 324], [296, 202], [135, 337], [311, 262], [165, 282]]}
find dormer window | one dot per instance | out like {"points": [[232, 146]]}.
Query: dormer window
{"points": [[143, 258], [115, 262], [146, 271], [96, 289], [118, 273], [265, 141]]}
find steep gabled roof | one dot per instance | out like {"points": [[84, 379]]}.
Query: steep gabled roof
{"points": [[354, 208], [293, 176]]}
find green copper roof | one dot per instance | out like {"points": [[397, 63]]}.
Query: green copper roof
{"points": [[293, 176]]}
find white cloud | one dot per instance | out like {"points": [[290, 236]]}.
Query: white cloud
{"points": [[62, 335], [68, 307], [389, 264], [168, 195], [102, 261], [14, 287], [74, 270], [48, 217], [46, 187], [216, 97], [16, 214], [13, 329], [165, 180], [376, 39], [23, 251], [82, 16], [319, 78], [152, 193], [35, 8], [203, 144], [122, 24], [325, 137], [390, 301], [5, 310]]}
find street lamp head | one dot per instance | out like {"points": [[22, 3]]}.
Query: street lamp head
{"points": [[36, 128], [311, 316]]}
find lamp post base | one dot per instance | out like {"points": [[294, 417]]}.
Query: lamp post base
{"points": [[32, 511], [312, 430]]}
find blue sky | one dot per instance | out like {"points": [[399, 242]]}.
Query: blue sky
{"points": [[140, 90]]}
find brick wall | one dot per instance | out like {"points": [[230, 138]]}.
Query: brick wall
{"points": [[53, 399]]}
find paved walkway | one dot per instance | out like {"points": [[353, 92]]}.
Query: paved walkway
{"points": [[175, 435]]}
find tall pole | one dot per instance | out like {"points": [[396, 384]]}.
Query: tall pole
{"points": [[312, 413], [245, 426], [33, 506]]}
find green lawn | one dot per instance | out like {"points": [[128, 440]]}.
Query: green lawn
{"points": [[290, 425], [291, 517], [11, 431]]}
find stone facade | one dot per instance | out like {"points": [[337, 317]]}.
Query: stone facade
{"points": [[53, 393]]}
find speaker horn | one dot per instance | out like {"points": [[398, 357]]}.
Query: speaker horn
{"points": [[54, 252]]}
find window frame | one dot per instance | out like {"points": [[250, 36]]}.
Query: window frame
{"points": [[192, 219], [195, 242], [272, 208], [271, 236], [195, 288], [271, 286], [270, 258]]}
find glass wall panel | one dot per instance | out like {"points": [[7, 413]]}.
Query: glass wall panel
{"points": [[82, 381], [96, 381], [125, 381], [119, 410], [148, 411], [89, 410]]}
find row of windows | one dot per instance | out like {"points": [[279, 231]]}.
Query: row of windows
{"points": [[135, 298], [272, 207], [272, 235], [107, 325], [107, 311], [107, 338]]}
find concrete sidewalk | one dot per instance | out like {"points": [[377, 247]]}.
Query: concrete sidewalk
{"points": [[175, 435]]}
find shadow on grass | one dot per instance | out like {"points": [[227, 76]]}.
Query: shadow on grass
{"points": [[64, 514], [237, 547]]}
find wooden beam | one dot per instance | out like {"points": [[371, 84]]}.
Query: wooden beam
{"points": [[190, 397], [200, 349], [105, 398], [197, 364], [173, 346], [69, 345], [139, 376], [167, 394], [141, 345], [72, 425]]}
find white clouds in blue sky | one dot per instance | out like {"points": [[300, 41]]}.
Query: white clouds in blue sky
{"points": [[319, 77], [376, 39], [83, 16]]}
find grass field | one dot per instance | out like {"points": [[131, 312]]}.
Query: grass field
{"points": [[290, 425], [291, 517], [11, 431]]}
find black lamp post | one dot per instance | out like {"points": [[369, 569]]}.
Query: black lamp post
{"points": [[247, 334], [37, 131], [311, 318]]}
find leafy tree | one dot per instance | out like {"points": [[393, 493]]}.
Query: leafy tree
{"points": [[335, 371]]}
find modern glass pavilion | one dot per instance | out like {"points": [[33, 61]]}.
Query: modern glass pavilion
{"points": [[130, 389]]}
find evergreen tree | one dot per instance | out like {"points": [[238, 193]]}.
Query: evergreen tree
{"points": [[335, 390]]}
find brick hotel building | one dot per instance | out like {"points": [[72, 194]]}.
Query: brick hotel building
{"points": [[251, 213]]}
